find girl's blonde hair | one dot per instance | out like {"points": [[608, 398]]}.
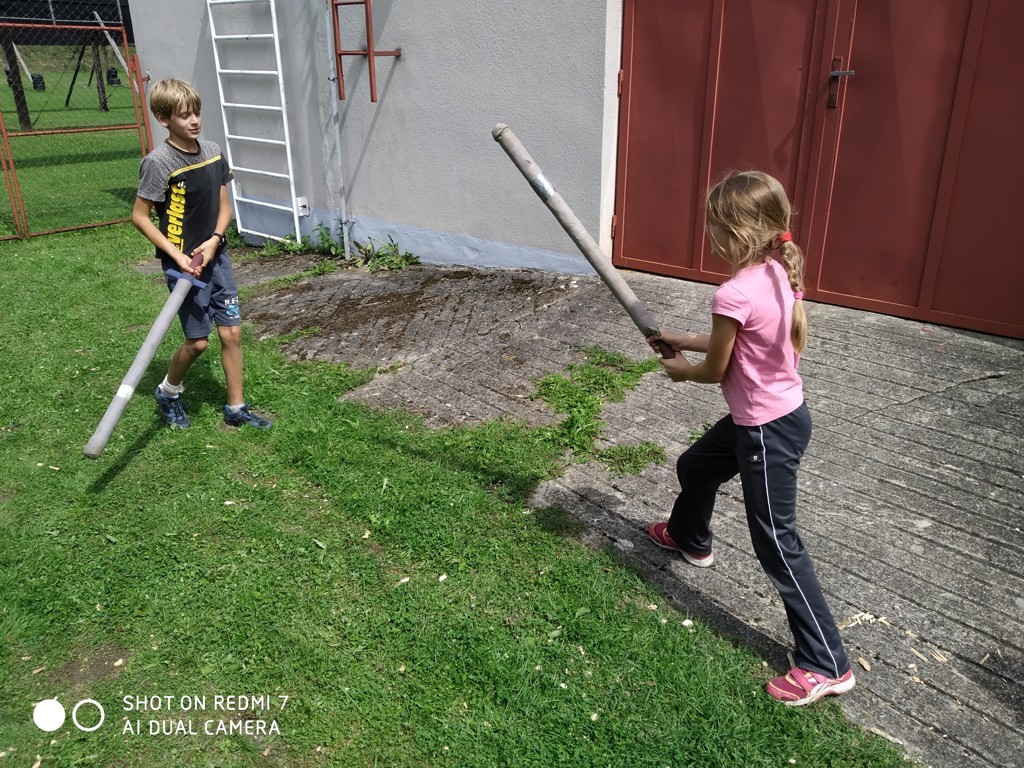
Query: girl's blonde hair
{"points": [[171, 96], [754, 209]]}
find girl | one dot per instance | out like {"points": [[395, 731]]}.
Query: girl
{"points": [[758, 330]]}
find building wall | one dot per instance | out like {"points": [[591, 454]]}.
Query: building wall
{"points": [[420, 164]]}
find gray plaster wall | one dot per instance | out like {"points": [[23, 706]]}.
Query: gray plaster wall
{"points": [[420, 163]]}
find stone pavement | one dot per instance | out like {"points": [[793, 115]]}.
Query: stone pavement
{"points": [[911, 493]]}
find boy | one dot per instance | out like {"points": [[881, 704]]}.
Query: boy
{"points": [[185, 179]]}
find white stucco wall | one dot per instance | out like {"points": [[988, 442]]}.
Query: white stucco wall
{"points": [[420, 164], [173, 40]]}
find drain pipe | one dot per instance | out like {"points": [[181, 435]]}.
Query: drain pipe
{"points": [[344, 224]]}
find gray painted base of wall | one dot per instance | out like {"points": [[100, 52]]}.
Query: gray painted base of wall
{"points": [[433, 246]]}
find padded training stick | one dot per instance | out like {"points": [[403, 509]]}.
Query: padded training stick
{"points": [[637, 310], [156, 334]]}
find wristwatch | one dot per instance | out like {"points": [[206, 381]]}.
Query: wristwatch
{"points": [[219, 235]]}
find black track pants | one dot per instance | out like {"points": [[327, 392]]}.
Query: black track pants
{"points": [[766, 458]]}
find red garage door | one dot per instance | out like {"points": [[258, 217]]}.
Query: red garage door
{"points": [[903, 174]]}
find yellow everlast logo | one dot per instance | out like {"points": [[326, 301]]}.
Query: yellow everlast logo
{"points": [[176, 216]]}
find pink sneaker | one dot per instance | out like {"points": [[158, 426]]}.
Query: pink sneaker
{"points": [[659, 535], [799, 687]]}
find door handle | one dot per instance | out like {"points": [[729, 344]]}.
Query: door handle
{"points": [[833, 82]]}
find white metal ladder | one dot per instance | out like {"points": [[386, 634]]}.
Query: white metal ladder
{"points": [[252, 105]]}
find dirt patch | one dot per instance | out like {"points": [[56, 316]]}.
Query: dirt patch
{"points": [[249, 268], [452, 344], [103, 663], [378, 319]]}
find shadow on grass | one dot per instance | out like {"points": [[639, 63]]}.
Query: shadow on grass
{"points": [[127, 454], [485, 451], [556, 521], [629, 544], [122, 193], [63, 160], [559, 518], [201, 382], [650, 564]]}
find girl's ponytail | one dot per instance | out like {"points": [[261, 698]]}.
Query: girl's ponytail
{"points": [[793, 260]]}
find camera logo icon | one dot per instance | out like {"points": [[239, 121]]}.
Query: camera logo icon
{"points": [[49, 715]]}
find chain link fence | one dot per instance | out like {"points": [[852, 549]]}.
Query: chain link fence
{"points": [[72, 116]]}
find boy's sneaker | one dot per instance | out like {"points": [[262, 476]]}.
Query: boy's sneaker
{"points": [[173, 410], [659, 535], [799, 686], [244, 417]]}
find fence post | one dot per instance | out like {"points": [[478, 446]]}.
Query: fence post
{"points": [[14, 78]]}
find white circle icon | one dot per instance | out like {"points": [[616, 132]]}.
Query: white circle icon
{"points": [[74, 715], [48, 715]]}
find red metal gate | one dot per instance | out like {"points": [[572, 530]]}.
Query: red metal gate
{"points": [[71, 130], [902, 173]]}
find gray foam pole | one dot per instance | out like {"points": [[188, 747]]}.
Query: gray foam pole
{"points": [[156, 334], [636, 309]]}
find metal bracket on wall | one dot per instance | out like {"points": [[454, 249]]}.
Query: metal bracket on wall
{"points": [[370, 53]]}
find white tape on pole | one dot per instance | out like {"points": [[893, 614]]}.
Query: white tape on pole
{"points": [[154, 338]]}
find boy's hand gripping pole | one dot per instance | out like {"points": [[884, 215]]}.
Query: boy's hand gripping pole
{"points": [[639, 313], [156, 334]]}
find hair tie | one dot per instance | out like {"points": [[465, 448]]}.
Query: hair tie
{"points": [[785, 237], [798, 295]]}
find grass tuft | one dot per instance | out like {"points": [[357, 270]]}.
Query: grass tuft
{"points": [[581, 393], [631, 459]]}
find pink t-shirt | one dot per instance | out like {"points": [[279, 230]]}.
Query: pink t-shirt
{"points": [[761, 383]]}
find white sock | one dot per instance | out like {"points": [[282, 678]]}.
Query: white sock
{"points": [[170, 389], [236, 408]]}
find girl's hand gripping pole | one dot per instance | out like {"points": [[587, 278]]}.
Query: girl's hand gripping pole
{"points": [[636, 309]]}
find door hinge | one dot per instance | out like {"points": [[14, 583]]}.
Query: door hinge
{"points": [[621, 76], [615, 223]]}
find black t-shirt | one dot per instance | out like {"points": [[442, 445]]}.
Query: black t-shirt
{"points": [[185, 188]]}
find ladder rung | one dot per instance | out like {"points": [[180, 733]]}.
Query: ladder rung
{"points": [[278, 142], [259, 107], [275, 206], [239, 169], [253, 36], [263, 72], [264, 235], [249, 231]]}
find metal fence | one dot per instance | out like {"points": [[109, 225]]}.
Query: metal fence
{"points": [[72, 117]]}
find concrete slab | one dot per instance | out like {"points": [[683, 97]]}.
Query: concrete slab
{"points": [[912, 489]]}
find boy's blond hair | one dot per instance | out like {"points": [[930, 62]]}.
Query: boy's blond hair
{"points": [[170, 96]]}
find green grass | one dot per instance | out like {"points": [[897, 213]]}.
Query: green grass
{"points": [[579, 395], [64, 178], [378, 256], [631, 459], [387, 578]]}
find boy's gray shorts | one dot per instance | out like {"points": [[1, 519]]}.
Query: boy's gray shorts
{"points": [[216, 303]]}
